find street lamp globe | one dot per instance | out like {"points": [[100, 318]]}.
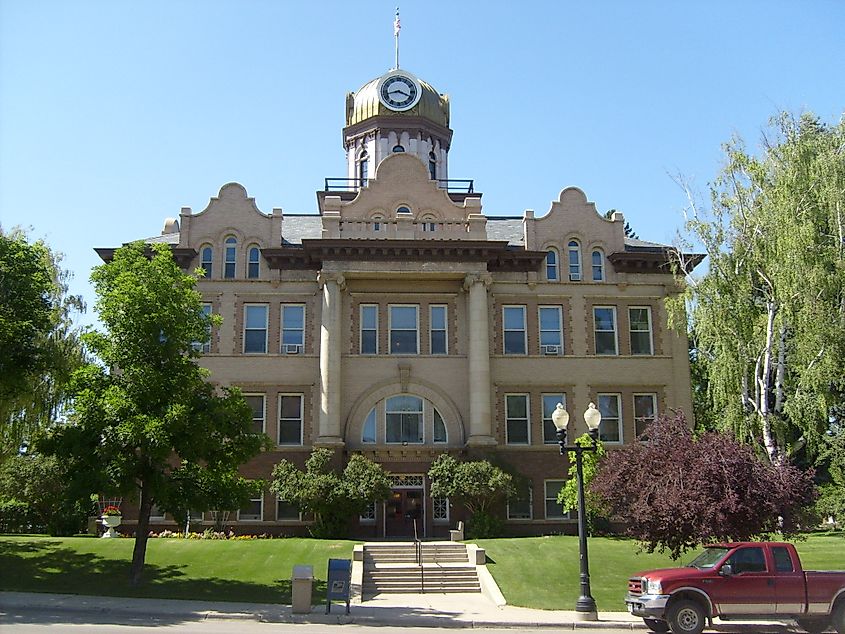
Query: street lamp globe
{"points": [[560, 417], [593, 419]]}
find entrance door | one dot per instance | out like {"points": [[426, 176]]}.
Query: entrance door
{"points": [[403, 507]]}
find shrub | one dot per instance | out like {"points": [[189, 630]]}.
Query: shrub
{"points": [[15, 516]]}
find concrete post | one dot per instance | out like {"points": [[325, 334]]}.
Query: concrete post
{"points": [[328, 432]]}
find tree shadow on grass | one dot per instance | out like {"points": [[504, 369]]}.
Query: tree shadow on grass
{"points": [[46, 566]]}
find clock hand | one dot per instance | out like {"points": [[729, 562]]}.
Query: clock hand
{"points": [[404, 94]]}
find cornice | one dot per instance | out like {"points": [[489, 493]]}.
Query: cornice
{"points": [[651, 261]]}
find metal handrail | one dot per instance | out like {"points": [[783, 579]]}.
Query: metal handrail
{"points": [[418, 553]]}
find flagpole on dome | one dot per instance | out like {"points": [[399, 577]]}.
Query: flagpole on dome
{"points": [[397, 26]]}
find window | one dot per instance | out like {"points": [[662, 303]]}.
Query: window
{"points": [[428, 224], [156, 514], [252, 511], [293, 328], [377, 223], [604, 318], [398, 148], [231, 253], [403, 330], [368, 433], [205, 346], [437, 329], [369, 329], [574, 261], [783, 562], [639, 319], [364, 168], [290, 419], [519, 506], [554, 511], [432, 166], [440, 510], [610, 429], [749, 559], [256, 404], [598, 266], [550, 402], [439, 428], [513, 318], [644, 411], [551, 266], [287, 512], [253, 265], [403, 209], [403, 419], [206, 259], [368, 516], [551, 328], [255, 328], [516, 420]]}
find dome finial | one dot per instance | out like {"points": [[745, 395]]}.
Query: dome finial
{"points": [[397, 26]]}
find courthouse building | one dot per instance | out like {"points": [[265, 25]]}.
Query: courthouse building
{"points": [[401, 322]]}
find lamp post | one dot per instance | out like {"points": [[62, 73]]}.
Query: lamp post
{"points": [[585, 606]]}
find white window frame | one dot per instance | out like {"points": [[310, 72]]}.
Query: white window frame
{"points": [[422, 411], [615, 332], [516, 518], [527, 419], [597, 267], [230, 257], [266, 308], [524, 330], [204, 347], [361, 328], [434, 414], [559, 329], [558, 398], [432, 330], [416, 308], [301, 419], [253, 248], [643, 421], [301, 343], [207, 264], [573, 247], [631, 331], [263, 409], [618, 397], [156, 514], [374, 413], [286, 520], [260, 518], [554, 267], [443, 503], [546, 499]]}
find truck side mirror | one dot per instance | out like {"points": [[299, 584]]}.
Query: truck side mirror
{"points": [[726, 570]]}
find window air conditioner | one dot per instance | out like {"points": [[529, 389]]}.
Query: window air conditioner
{"points": [[550, 349], [292, 348], [574, 277]]}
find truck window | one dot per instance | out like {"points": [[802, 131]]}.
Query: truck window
{"points": [[749, 559], [783, 562]]}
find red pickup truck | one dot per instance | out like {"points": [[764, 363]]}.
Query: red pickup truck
{"points": [[745, 581]]}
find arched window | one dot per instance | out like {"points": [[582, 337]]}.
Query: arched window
{"points": [[377, 223], [598, 266], [231, 257], [398, 148], [428, 223], [363, 169], [368, 434], [551, 265], [574, 261], [403, 419], [253, 269], [403, 209], [206, 260], [439, 428], [432, 166]]}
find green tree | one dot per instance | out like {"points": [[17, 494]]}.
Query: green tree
{"points": [[768, 317], [479, 485], [40, 482], [334, 498], [149, 420], [568, 496], [39, 347], [831, 502]]}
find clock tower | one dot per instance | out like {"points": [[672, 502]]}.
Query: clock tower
{"points": [[394, 113]]}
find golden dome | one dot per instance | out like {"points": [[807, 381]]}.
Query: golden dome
{"points": [[364, 104]]}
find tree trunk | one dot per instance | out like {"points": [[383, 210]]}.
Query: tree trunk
{"points": [[139, 553], [765, 386]]}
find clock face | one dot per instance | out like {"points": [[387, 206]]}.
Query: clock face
{"points": [[399, 91]]}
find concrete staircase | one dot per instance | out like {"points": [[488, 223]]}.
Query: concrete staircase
{"points": [[392, 567]]}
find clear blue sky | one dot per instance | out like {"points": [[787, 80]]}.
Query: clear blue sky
{"points": [[113, 115]]}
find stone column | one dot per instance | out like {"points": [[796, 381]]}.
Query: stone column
{"points": [[328, 431], [480, 412]]}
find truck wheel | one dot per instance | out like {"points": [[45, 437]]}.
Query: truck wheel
{"points": [[839, 617], [685, 617], [813, 626], [656, 625]]}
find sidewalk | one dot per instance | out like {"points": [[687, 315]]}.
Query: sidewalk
{"points": [[407, 610]]}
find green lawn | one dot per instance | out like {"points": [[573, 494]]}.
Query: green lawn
{"points": [[543, 572], [537, 572], [256, 571]]}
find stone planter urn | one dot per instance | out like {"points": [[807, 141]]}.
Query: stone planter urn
{"points": [[111, 522]]}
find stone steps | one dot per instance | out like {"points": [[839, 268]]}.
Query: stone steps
{"points": [[392, 568]]}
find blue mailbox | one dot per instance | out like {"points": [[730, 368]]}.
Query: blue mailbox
{"points": [[339, 579]]}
